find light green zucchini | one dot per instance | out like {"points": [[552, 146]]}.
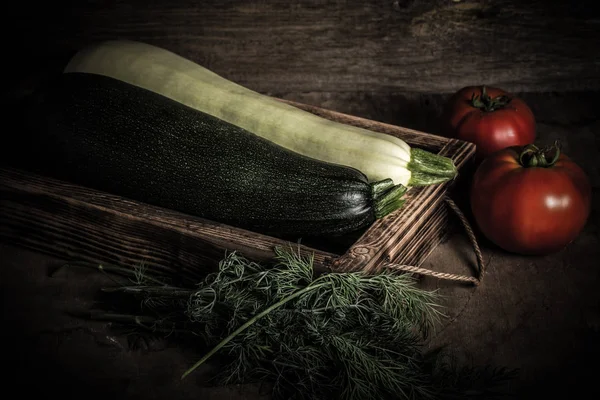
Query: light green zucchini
{"points": [[379, 156]]}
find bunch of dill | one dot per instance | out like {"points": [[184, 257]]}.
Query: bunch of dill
{"points": [[313, 336]]}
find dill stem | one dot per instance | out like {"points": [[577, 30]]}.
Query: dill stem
{"points": [[127, 318], [152, 290], [251, 321]]}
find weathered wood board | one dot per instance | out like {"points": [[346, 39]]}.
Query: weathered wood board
{"points": [[71, 221], [384, 46]]}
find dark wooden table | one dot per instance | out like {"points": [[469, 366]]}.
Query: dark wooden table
{"points": [[391, 61]]}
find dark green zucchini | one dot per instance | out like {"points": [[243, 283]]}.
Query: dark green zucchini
{"points": [[109, 135]]}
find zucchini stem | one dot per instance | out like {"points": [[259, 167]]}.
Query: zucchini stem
{"points": [[388, 201], [380, 187], [429, 169]]}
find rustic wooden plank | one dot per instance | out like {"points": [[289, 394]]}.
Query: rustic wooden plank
{"points": [[276, 46], [434, 231], [68, 220]]}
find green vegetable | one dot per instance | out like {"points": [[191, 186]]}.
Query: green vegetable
{"points": [[335, 336], [107, 134], [379, 156]]}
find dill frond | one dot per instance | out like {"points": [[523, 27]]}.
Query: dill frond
{"points": [[339, 336]]}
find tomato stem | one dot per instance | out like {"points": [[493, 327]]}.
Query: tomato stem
{"points": [[488, 104], [532, 156]]}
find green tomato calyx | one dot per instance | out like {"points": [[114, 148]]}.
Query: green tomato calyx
{"points": [[546, 157], [488, 104]]}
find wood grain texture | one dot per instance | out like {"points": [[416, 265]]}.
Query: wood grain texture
{"points": [[274, 46], [69, 220]]}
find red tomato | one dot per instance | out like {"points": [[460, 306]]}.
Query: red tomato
{"points": [[530, 201], [490, 118]]}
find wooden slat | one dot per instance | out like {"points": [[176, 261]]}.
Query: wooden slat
{"points": [[67, 220], [434, 231]]}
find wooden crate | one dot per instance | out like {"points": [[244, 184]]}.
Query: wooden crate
{"points": [[70, 221]]}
